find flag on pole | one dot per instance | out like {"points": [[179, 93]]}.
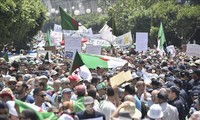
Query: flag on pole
{"points": [[46, 56], [77, 62], [6, 57], [48, 39], [106, 33], [161, 37], [42, 115], [67, 22], [111, 24]]}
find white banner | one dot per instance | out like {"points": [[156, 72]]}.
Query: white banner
{"points": [[57, 28], [193, 50], [124, 40], [93, 49], [56, 38], [72, 44], [97, 41], [141, 41], [171, 50]]}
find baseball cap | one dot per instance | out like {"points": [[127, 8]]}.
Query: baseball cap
{"points": [[88, 100], [66, 90], [175, 89], [73, 78], [101, 86]]}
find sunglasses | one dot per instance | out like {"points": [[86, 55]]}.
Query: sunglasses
{"points": [[42, 96], [12, 83]]}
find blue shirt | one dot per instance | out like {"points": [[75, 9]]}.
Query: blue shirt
{"points": [[137, 103]]}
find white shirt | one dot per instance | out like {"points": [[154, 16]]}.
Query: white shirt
{"points": [[107, 108], [169, 112]]}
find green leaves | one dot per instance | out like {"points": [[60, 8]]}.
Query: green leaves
{"points": [[19, 18], [146, 15]]}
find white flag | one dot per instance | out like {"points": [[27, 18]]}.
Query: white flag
{"points": [[106, 33]]}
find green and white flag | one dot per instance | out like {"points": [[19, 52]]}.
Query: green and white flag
{"points": [[6, 57], [92, 61], [42, 115], [161, 37]]}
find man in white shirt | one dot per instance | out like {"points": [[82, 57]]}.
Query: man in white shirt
{"points": [[106, 106], [169, 112], [39, 97]]}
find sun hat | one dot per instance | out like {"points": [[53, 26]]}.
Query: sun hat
{"points": [[132, 110], [155, 112]]}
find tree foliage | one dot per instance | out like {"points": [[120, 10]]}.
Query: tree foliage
{"points": [[145, 15], [20, 20]]}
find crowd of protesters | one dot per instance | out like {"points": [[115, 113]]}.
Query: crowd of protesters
{"points": [[172, 94]]}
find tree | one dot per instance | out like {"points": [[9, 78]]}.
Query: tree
{"points": [[145, 15], [20, 20]]}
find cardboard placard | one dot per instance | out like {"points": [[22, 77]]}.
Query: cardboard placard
{"points": [[50, 48], [117, 79], [128, 75]]}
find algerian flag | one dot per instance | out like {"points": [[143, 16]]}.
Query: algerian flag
{"points": [[42, 115], [46, 56], [67, 22], [161, 40], [83, 72], [161, 37], [48, 39], [92, 61], [6, 57]]}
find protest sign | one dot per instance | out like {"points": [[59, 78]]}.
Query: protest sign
{"points": [[72, 44], [128, 75], [50, 48], [93, 49], [124, 40], [171, 50], [96, 41], [193, 50], [56, 38], [117, 79], [141, 41], [57, 28]]}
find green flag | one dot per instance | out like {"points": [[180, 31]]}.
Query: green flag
{"points": [[67, 22], [46, 56], [77, 62], [161, 36], [6, 57], [41, 114], [111, 24], [48, 39]]}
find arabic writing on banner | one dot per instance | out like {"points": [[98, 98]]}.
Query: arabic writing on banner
{"points": [[141, 41]]}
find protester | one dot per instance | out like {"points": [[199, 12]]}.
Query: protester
{"points": [[167, 85], [89, 112]]}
